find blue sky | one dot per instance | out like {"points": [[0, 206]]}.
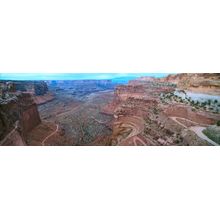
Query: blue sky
{"points": [[73, 76]]}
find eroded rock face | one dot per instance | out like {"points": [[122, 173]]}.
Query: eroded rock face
{"points": [[38, 89], [141, 117], [197, 82], [14, 138], [34, 87], [186, 112], [131, 106], [142, 80], [18, 115], [130, 91], [30, 118]]}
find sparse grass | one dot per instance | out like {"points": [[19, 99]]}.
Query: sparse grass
{"points": [[213, 133]]}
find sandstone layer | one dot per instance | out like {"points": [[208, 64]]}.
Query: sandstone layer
{"points": [[208, 83], [18, 116]]}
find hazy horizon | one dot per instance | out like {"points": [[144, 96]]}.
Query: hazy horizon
{"points": [[75, 76]]}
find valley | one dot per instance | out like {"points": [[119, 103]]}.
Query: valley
{"points": [[172, 110]]}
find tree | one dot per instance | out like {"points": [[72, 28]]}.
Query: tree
{"points": [[197, 103], [218, 123]]}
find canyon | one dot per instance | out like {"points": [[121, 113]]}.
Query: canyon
{"points": [[144, 111]]}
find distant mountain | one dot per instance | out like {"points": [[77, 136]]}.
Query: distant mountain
{"points": [[120, 77]]}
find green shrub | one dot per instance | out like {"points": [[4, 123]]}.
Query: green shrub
{"points": [[212, 134], [218, 123]]}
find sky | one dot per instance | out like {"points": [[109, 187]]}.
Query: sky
{"points": [[74, 76]]}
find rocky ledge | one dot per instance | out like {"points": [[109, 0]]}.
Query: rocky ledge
{"points": [[208, 83], [18, 116]]}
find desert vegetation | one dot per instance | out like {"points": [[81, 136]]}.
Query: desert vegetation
{"points": [[213, 132], [208, 105]]}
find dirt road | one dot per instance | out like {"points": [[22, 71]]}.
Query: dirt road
{"points": [[137, 126], [196, 129], [46, 138]]}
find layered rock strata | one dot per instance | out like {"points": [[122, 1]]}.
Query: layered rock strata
{"points": [[18, 115]]}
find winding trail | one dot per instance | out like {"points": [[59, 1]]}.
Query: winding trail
{"points": [[175, 119], [198, 130], [45, 139], [68, 111], [98, 121], [136, 138], [137, 126]]}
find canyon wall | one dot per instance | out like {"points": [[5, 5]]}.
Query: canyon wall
{"points": [[124, 92], [141, 89], [208, 83], [29, 115], [80, 84], [186, 112], [18, 115], [38, 89], [35, 87]]}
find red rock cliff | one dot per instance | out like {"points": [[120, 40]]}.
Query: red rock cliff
{"points": [[197, 82], [18, 114]]}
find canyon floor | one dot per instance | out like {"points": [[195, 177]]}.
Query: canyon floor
{"points": [[130, 115], [70, 120]]}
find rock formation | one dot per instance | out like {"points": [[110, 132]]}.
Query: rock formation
{"points": [[18, 115], [197, 82], [38, 89], [142, 118]]}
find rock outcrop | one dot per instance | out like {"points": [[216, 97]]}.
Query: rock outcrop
{"points": [[187, 113], [208, 83], [142, 80], [18, 115], [38, 89]]}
